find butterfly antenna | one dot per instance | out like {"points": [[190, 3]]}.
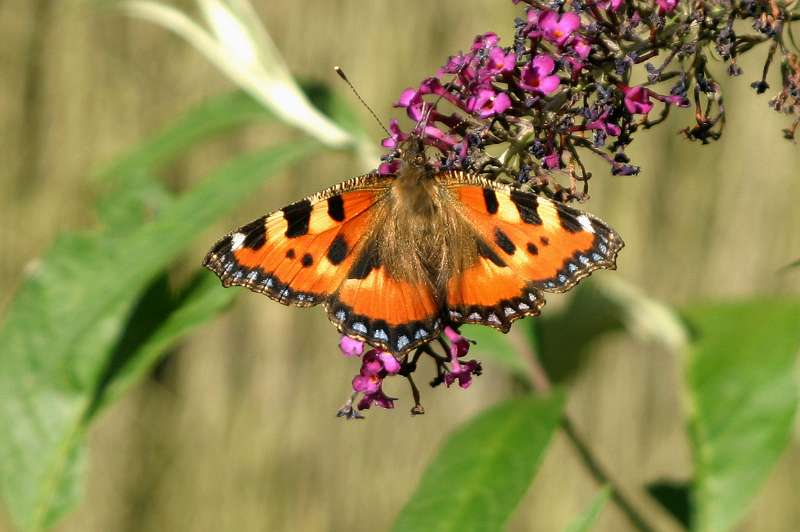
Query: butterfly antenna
{"points": [[360, 99]]}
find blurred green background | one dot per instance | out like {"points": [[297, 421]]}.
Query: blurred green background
{"points": [[235, 429]]}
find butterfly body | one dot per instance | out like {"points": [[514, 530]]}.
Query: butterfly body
{"points": [[396, 258], [421, 235]]}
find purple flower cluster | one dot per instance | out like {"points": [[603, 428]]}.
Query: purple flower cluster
{"points": [[564, 87], [377, 365]]}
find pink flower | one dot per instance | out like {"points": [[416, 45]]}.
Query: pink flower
{"points": [[666, 6], [389, 167], [614, 5], [436, 137], [500, 61], [367, 383], [637, 99], [459, 346], [581, 47], [536, 76], [488, 103], [351, 347], [389, 363], [552, 160], [487, 40], [377, 397], [395, 138], [375, 366], [601, 124], [459, 371], [462, 372], [411, 99], [558, 29]]}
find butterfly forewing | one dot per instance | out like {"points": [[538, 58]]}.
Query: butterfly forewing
{"points": [[300, 254], [527, 244]]}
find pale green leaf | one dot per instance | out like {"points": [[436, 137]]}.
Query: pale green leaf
{"points": [[213, 117], [483, 469], [588, 517], [742, 398]]}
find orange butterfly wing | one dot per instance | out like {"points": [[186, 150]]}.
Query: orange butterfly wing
{"points": [[527, 244], [318, 250], [300, 254], [392, 314]]}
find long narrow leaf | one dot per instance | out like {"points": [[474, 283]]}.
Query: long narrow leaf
{"points": [[158, 321], [64, 324], [587, 519], [214, 116]]}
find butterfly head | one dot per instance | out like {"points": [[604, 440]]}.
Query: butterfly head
{"points": [[412, 155]]}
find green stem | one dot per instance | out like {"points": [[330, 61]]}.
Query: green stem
{"points": [[541, 384]]}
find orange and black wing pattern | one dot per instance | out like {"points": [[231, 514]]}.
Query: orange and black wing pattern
{"points": [[321, 250], [300, 254], [527, 244], [390, 313]]}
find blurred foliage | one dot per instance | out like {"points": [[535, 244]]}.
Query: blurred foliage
{"points": [[742, 398], [675, 497], [85, 316], [587, 519]]}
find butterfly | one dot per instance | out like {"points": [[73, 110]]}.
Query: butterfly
{"points": [[396, 258]]}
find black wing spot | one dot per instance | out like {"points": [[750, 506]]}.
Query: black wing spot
{"points": [[569, 219], [255, 234], [307, 260], [368, 260], [503, 242], [487, 253], [490, 199], [532, 249], [297, 216], [544, 240], [336, 208], [526, 206], [290, 254], [338, 250], [223, 246]]}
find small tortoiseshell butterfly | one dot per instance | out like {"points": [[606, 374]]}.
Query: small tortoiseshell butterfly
{"points": [[395, 258]]}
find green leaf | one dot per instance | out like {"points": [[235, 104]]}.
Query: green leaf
{"points": [[491, 344], [216, 115], [596, 308], [64, 325], [675, 497], [790, 266], [742, 399], [483, 469], [160, 318], [588, 517]]}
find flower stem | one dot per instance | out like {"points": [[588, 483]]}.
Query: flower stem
{"points": [[602, 478], [642, 514]]}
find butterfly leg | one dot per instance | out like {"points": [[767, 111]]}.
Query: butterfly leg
{"points": [[348, 411]]}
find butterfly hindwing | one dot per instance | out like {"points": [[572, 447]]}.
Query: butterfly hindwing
{"points": [[372, 305], [527, 244], [300, 254]]}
